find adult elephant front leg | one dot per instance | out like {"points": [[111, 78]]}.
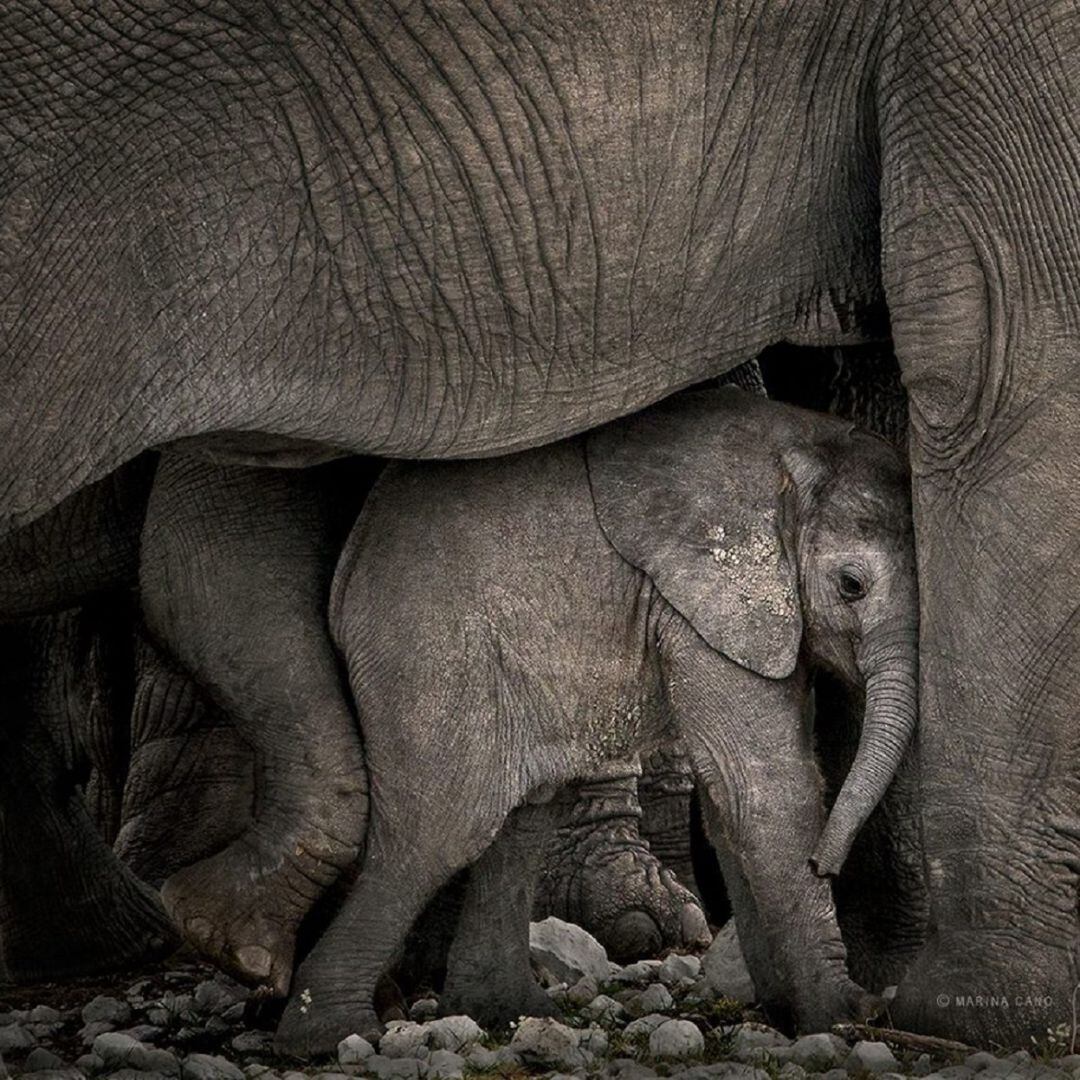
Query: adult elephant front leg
{"points": [[982, 263], [235, 576]]}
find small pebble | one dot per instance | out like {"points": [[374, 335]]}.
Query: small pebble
{"points": [[404, 1039], [107, 1009], [654, 999], [15, 1037], [44, 1014], [445, 1065], [605, 1009], [210, 1067], [40, 1059], [638, 974], [675, 968], [424, 1009], [871, 1057], [354, 1050]]}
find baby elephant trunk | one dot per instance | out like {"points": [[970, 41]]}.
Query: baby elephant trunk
{"points": [[889, 662]]}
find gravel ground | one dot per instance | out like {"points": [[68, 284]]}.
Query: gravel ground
{"points": [[645, 1020]]}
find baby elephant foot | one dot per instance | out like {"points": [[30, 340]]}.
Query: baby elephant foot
{"points": [[242, 907], [496, 1003], [311, 1027]]}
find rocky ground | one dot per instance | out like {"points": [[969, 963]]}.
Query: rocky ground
{"points": [[685, 1016]]}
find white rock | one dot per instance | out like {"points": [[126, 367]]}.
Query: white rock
{"points": [[41, 1060], [89, 1032], [89, 1064], [404, 1039], [445, 1065], [724, 968], [453, 1032], [583, 991], [605, 1009], [593, 1040], [640, 973], [676, 1039], [645, 1025], [423, 1010], [654, 999], [567, 951], [387, 1068], [44, 1014], [546, 1042], [871, 1057], [481, 1058], [354, 1050], [15, 1037], [109, 1009], [118, 1050], [755, 1042], [675, 968], [816, 1052]]}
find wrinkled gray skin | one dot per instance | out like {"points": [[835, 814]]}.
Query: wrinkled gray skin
{"points": [[881, 896], [439, 229], [669, 577], [170, 771], [61, 748], [64, 715]]}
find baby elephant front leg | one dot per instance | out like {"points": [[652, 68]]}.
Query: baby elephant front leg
{"points": [[488, 973]]}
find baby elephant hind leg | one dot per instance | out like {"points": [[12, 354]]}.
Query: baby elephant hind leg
{"points": [[418, 841], [488, 973]]}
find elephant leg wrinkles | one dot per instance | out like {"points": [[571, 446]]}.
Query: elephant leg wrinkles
{"points": [[235, 577]]}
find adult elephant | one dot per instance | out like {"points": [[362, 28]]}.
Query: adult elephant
{"points": [[280, 230]]}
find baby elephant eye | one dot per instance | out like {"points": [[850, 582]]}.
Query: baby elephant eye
{"points": [[851, 586]]}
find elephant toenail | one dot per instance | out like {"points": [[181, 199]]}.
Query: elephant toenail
{"points": [[695, 929], [255, 959], [634, 935], [199, 928]]}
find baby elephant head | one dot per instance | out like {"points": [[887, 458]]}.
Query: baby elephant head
{"points": [[778, 533]]}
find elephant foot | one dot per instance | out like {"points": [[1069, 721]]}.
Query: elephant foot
{"points": [[601, 874], [497, 1003], [848, 1003], [311, 1027], [109, 923], [657, 912], [243, 906]]}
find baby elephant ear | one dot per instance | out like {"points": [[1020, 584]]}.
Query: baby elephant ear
{"points": [[686, 493]]}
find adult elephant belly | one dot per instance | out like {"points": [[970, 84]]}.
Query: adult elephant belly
{"points": [[416, 233]]}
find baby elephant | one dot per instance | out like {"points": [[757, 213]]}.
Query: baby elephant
{"points": [[510, 624]]}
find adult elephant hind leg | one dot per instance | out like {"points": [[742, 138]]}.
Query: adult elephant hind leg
{"points": [[489, 976], [235, 577]]}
